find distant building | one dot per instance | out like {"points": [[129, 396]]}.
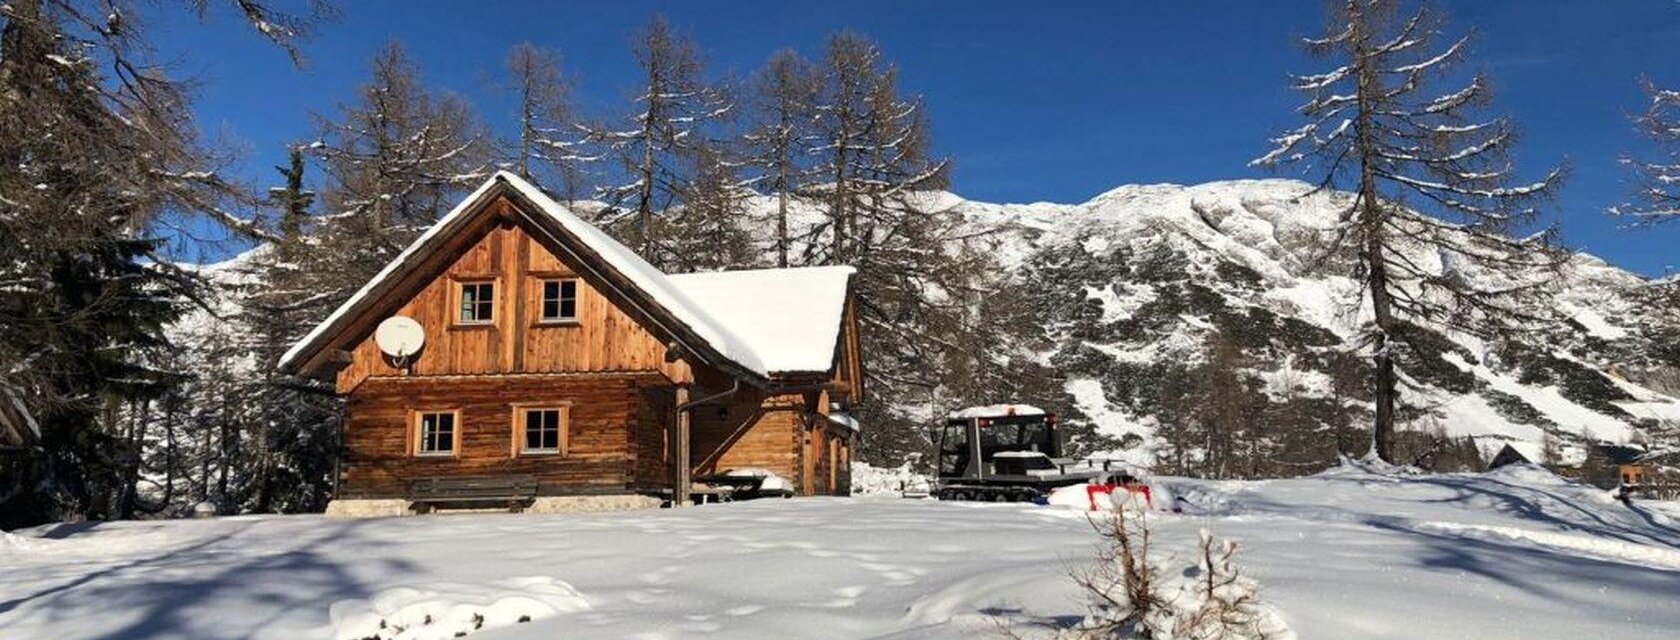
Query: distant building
{"points": [[1622, 464], [1516, 453]]}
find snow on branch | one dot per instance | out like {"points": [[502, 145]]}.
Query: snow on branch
{"points": [[1431, 63]]}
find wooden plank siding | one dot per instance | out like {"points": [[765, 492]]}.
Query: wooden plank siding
{"points": [[603, 454], [751, 431], [608, 368], [603, 339]]}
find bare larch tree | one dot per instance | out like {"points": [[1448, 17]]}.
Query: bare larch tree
{"points": [[549, 146], [394, 161], [1658, 192], [783, 96], [675, 106], [1434, 190], [102, 158], [920, 268]]}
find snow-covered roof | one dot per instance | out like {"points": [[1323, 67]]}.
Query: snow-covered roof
{"points": [[1530, 451], [997, 411], [758, 334], [789, 317]]}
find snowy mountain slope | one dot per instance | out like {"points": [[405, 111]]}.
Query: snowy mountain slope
{"points": [[1351, 553], [1130, 286], [1141, 275]]}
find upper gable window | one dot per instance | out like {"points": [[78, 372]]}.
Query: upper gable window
{"points": [[559, 300], [478, 302]]}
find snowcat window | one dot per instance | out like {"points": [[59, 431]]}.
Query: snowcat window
{"points": [[997, 435], [953, 449], [1035, 436]]}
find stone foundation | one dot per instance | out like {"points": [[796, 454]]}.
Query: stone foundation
{"points": [[388, 507], [368, 508], [588, 504]]}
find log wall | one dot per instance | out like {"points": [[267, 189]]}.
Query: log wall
{"points": [[609, 368], [610, 417]]}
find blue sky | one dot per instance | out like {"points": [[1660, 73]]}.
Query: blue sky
{"points": [[1035, 101]]}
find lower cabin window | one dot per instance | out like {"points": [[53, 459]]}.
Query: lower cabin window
{"points": [[436, 433], [542, 430]]}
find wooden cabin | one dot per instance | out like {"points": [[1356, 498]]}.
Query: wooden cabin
{"points": [[1517, 452], [559, 364]]}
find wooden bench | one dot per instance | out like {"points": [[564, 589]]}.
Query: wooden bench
{"points": [[516, 491]]}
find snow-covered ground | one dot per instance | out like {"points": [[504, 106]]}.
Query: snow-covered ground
{"points": [[1351, 553]]}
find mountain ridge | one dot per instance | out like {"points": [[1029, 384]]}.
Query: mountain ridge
{"points": [[1257, 245]]}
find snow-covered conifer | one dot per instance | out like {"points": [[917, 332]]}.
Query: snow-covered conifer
{"points": [[101, 154], [1435, 192], [708, 232]]}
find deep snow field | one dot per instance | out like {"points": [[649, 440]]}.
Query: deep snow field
{"points": [[1352, 553]]}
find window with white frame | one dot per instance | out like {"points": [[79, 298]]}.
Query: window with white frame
{"points": [[478, 302], [435, 433], [543, 430], [559, 300]]}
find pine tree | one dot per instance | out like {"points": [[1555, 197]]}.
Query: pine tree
{"points": [[549, 145], [1659, 180], [95, 163], [292, 423], [293, 201], [783, 99], [1434, 190], [674, 109]]}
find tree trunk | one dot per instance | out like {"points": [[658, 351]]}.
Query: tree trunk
{"points": [[169, 451], [1382, 431], [782, 212], [644, 201], [1372, 226], [525, 123]]}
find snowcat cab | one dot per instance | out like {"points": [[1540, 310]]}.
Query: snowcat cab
{"points": [[1003, 453]]}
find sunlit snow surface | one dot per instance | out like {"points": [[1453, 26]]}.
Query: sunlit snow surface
{"points": [[1347, 554]]}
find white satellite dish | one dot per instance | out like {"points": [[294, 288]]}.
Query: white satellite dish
{"points": [[399, 337]]}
